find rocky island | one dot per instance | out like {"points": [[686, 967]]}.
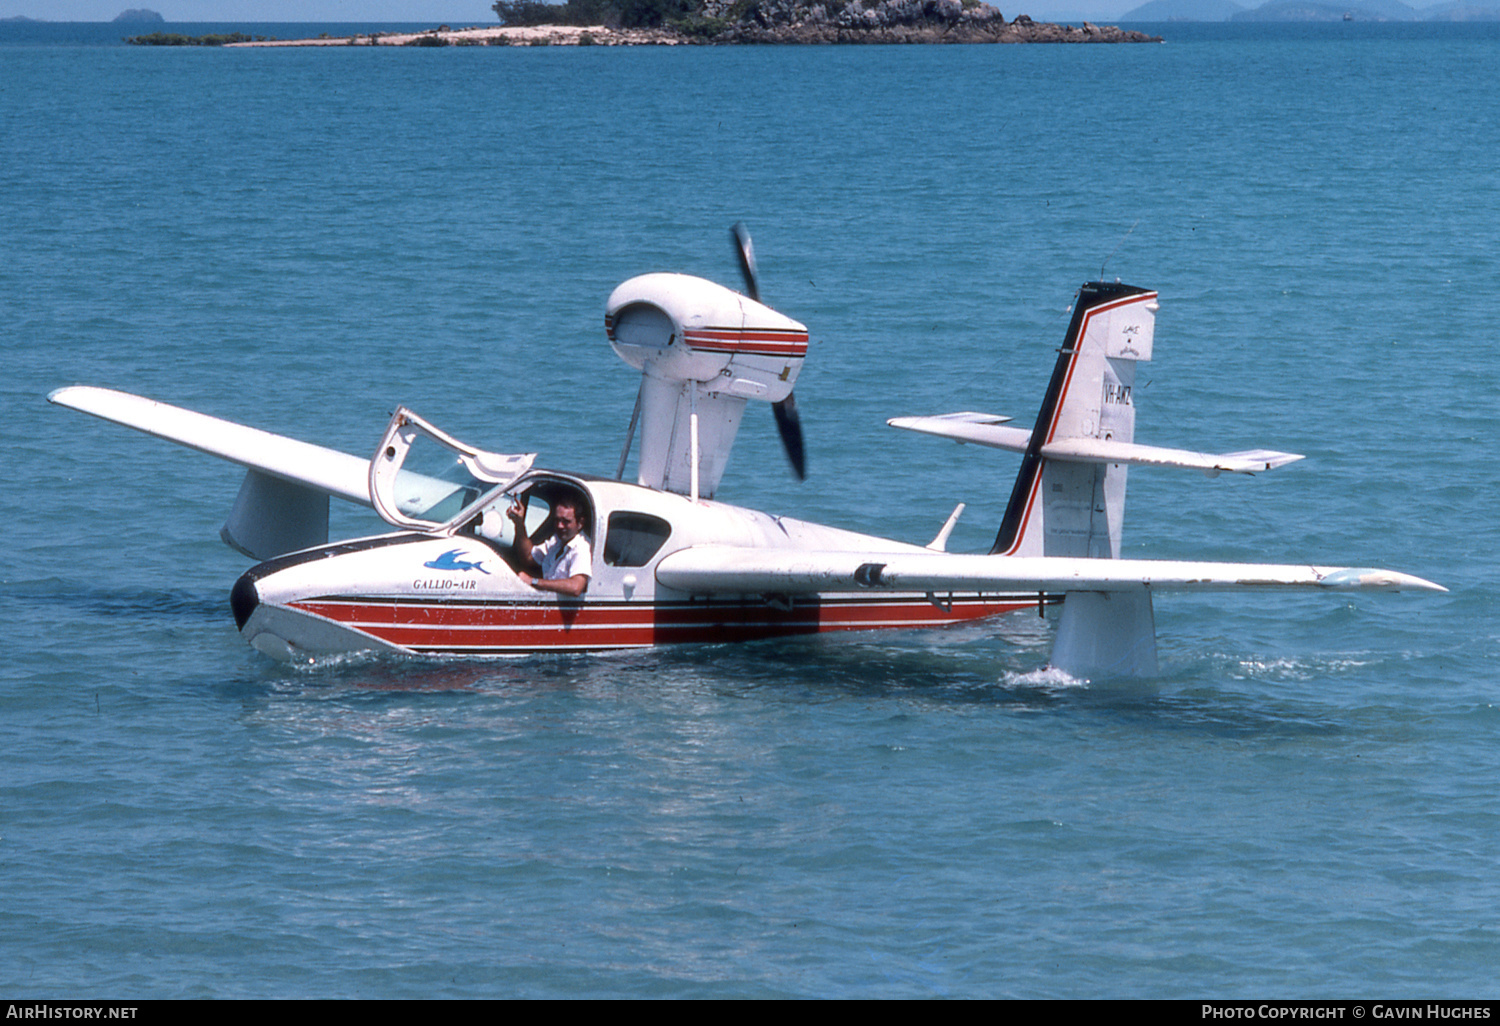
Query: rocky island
{"points": [[815, 21], [899, 21], [728, 22]]}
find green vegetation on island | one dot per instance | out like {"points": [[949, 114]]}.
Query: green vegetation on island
{"points": [[174, 39]]}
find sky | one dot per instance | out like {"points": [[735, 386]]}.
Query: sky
{"points": [[436, 12]]}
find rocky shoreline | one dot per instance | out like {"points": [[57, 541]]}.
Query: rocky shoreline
{"points": [[530, 35], [898, 21], [981, 24], [773, 22]]}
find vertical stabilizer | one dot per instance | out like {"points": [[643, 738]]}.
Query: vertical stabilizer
{"points": [[1073, 508]]}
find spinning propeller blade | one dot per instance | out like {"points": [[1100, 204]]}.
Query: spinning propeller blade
{"points": [[788, 423], [790, 426], [744, 251]]}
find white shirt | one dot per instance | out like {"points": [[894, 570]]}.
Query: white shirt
{"points": [[559, 562]]}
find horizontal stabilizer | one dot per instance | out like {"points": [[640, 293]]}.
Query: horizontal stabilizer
{"points": [[1100, 450], [725, 570], [324, 470], [986, 429], [975, 428]]}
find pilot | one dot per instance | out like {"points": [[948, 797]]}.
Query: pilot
{"points": [[562, 563]]}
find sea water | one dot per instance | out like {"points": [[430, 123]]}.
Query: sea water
{"points": [[1303, 803]]}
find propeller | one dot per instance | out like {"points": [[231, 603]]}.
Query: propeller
{"points": [[744, 252], [788, 423]]}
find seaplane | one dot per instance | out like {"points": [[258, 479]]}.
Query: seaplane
{"points": [[666, 562]]}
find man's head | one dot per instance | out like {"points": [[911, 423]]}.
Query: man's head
{"points": [[569, 520]]}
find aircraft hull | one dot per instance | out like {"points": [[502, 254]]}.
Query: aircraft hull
{"points": [[286, 609], [332, 625]]}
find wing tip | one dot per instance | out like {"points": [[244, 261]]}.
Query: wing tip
{"points": [[1371, 578], [59, 396]]}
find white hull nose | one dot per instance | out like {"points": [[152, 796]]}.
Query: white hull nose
{"points": [[266, 598], [292, 636]]}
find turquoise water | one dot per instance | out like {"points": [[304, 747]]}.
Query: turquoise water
{"points": [[1303, 804]]}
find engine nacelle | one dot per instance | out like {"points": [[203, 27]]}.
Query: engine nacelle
{"points": [[703, 350], [681, 328]]}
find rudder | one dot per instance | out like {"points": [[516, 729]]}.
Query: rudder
{"points": [[1059, 508]]}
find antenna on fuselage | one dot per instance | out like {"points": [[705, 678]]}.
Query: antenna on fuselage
{"points": [[1117, 248]]}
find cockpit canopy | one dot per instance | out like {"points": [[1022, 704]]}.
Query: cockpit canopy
{"points": [[423, 479]]}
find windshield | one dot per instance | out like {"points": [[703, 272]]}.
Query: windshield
{"points": [[433, 483]]}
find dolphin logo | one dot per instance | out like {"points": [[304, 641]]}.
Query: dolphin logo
{"points": [[450, 561]]}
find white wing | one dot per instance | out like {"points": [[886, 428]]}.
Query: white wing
{"points": [[282, 505], [986, 429], [1108, 626], [721, 569], [324, 470]]}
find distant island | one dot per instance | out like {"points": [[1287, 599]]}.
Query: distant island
{"points": [[1312, 10], [719, 22], [801, 21], [1184, 10], [135, 15]]}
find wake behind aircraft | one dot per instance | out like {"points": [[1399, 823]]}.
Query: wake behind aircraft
{"points": [[668, 562]]}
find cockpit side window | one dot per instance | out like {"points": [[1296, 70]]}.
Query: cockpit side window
{"points": [[539, 497], [634, 538], [543, 497]]}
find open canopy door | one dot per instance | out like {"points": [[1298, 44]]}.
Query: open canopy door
{"points": [[426, 480]]}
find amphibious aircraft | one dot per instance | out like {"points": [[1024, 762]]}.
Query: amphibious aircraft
{"points": [[670, 563]]}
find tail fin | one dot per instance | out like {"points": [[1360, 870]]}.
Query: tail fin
{"points": [[1069, 497], [1069, 508]]}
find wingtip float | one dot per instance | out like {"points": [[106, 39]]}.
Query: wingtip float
{"points": [[664, 562]]}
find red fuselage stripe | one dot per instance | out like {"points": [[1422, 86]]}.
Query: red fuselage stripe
{"points": [[459, 627], [756, 342]]}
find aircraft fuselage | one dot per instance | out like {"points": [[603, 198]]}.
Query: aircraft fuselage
{"points": [[460, 594]]}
